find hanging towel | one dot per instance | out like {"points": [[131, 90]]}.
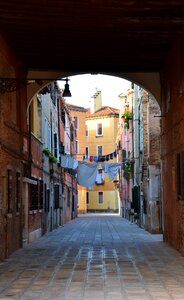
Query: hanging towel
{"points": [[87, 173], [70, 162], [111, 168], [64, 161], [75, 164]]}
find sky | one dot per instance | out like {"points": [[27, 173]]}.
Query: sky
{"points": [[83, 87]]}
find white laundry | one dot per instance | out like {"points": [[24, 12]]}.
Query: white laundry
{"points": [[100, 177], [75, 164], [111, 168], [64, 161], [87, 173], [70, 162]]}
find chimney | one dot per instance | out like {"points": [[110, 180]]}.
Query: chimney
{"points": [[96, 102]]}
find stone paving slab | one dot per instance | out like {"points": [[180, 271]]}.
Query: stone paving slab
{"points": [[94, 258]]}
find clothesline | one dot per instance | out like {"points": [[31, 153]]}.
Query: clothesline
{"points": [[99, 158], [87, 172]]}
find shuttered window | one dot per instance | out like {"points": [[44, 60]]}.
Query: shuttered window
{"points": [[180, 175], [56, 196]]}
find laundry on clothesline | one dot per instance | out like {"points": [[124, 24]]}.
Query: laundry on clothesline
{"points": [[87, 172], [100, 158], [111, 168], [68, 162]]}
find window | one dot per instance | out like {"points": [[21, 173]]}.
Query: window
{"points": [[72, 133], [100, 197], [87, 197], [68, 197], [55, 145], [56, 195], [17, 193], [49, 137], [99, 129], [62, 148], [87, 132], [9, 189], [124, 154], [77, 146], [180, 175], [63, 116], [99, 150], [41, 195], [34, 196], [47, 198], [75, 122], [87, 151]]}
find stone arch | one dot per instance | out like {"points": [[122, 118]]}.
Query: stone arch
{"points": [[149, 81]]}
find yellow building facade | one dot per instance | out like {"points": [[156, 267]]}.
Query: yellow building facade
{"points": [[102, 128], [97, 130]]}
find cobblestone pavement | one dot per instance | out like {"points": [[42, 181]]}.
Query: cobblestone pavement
{"points": [[94, 258]]}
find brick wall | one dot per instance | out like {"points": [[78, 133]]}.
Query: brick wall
{"points": [[12, 154], [172, 142]]}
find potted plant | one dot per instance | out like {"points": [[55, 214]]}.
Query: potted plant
{"points": [[127, 115], [128, 169], [47, 152], [52, 159]]}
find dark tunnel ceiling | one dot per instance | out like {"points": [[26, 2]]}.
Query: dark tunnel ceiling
{"points": [[92, 35]]}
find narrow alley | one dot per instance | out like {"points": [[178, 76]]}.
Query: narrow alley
{"points": [[94, 257]]}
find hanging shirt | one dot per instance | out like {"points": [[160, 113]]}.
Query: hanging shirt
{"points": [[111, 168], [100, 178], [87, 173]]}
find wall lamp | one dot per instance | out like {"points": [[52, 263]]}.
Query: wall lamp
{"points": [[8, 85], [66, 92]]}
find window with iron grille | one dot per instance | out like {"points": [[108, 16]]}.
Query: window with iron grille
{"points": [[34, 196]]}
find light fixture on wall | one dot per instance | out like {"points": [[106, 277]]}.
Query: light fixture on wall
{"points": [[13, 84], [8, 85], [66, 92]]}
